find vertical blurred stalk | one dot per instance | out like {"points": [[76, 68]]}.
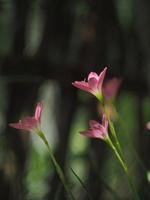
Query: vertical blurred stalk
{"points": [[57, 167]]}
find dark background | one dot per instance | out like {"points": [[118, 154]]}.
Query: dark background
{"points": [[44, 46]]}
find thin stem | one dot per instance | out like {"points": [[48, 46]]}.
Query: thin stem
{"points": [[118, 152], [113, 132], [101, 180], [124, 166], [57, 167], [81, 182], [112, 129]]}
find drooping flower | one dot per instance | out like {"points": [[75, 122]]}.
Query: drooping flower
{"points": [[30, 123], [93, 84], [97, 130], [110, 88]]}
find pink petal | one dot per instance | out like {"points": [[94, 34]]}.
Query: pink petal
{"points": [[94, 124], [20, 126], [93, 81], [82, 85], [101, 78], [102, 128], [38, 111], [148, 125], [102, 131], [111, 87], [104, 122], [94, 134], [91, 133], [93, 75], [28, 123]]}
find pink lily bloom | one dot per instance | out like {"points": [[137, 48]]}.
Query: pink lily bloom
{"points": [[97, 130], [93, 84], [30, 123], [110, 88]]}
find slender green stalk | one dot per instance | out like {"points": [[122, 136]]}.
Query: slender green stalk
{"points": [[118, 151], [113, 132], [101, 180], [124, 166], [112, 129], [57, 167], [81, 182]]}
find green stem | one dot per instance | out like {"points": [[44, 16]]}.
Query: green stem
{"points": [[57, 167], [113, 132], [83, 185], [118, 152], [124, 166], [112, 129]]}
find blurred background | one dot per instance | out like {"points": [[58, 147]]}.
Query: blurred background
{"points": [[45, 46]]}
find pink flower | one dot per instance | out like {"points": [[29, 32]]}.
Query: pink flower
{"points": [[110, 88], [93, 84], [148, 125], [30, 123], [97, 130]]}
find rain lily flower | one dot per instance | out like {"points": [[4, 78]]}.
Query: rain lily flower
{"points": [[97, 130], [93, 84], [33, 124], [110, 88], [30, 123]]}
